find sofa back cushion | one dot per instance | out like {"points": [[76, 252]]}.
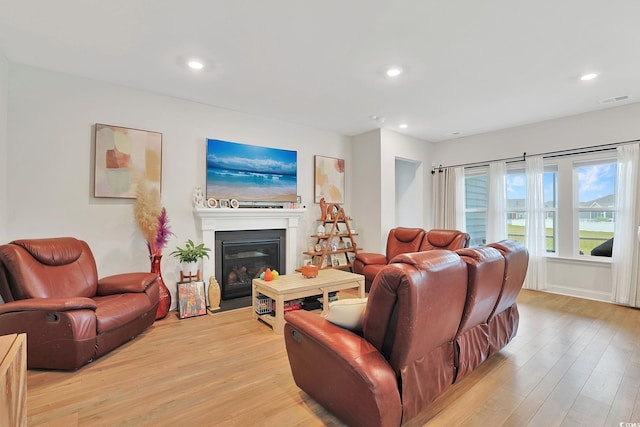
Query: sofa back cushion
{"points": [[485, 267], [402, 240], [444, 239], [48, 268], [413, 312], [516, 259]]}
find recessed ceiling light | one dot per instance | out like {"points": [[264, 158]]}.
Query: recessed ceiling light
{"points": [[377, 119], [393, 71], [589, 76], [403, 126], [194, 64]]}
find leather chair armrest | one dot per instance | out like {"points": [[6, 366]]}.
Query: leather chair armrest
{"points": [[371, 258], [125, 283], [48, 304], [342, 371]]}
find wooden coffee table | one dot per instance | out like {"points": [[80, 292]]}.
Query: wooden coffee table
{"points": [[294, 286]]}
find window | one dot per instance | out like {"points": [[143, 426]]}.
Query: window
{"points": [[595, 187], [475, 201], [516, 192], [550, 182]]}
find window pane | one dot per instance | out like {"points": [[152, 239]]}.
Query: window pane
{"points": [[596, 185], [596, 204], [475, 191], [550, 182], [477, 227], [515, 226], [550, 233]]}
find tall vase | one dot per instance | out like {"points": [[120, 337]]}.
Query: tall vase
{"points": [[164, 301]]}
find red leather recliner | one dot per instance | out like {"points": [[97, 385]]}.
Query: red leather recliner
{"points": [[403, 240], [405, 356], [51, 292], [400, 240], [431, 318]]}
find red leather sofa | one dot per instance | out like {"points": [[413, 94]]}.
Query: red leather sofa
{"points": [[51, 292], [431, 318], [402, 240]]}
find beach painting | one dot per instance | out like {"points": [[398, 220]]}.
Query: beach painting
{"points": [[250, 173]]}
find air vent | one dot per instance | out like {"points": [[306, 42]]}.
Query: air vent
{"points": [[615, 99]]}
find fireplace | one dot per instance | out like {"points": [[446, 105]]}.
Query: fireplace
{"points": [[212, 221], [242, 255]]}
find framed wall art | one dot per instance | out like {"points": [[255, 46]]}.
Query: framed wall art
{"points": [[191, 299], [329, 179], [123, 156]]}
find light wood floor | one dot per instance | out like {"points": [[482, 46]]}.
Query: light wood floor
{"points": [[574, 363]]}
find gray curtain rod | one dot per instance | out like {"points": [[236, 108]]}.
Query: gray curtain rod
{"points": [[547, 155]]}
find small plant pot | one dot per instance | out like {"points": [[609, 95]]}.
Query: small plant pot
{"points": [[190, 268]]}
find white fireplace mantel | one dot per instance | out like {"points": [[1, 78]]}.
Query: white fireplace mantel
{"points": [[211, 220]]}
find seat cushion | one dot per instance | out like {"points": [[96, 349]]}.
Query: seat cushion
{"points": [[114, 311]]}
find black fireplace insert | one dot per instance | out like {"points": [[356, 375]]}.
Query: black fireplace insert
{"points": [[242, 255]]}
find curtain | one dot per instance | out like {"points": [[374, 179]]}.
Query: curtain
{"points": [[625, 258], [535, 238], [448, 198], [497, 203]]}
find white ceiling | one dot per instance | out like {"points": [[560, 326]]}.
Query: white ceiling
{"points": [[470, 66]]}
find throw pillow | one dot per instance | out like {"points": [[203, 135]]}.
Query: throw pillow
{"points": [[347, 313]]}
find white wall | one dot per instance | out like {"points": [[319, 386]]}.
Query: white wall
{"points": [[4, 102], [374, 183], [50, 162], [409, 193], [365, 198], [616, 124], [566, 274]]}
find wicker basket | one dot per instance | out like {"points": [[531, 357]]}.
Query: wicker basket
{"points": [[263, 304]]}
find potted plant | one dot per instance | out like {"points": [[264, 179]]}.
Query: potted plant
{"points": [[190, 255]]}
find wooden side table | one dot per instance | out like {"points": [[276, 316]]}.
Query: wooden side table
{"points": [[293, 286], [13, 380]]}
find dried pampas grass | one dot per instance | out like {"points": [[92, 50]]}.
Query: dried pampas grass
{"points": [[147, 209]]}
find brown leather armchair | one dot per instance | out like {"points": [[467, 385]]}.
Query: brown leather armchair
{"points": [[51, 292], [400, 240], [444, 239]]}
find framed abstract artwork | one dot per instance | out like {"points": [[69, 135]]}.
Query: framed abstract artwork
{"points": [[123, 156], [329, 179], [191, 299]]}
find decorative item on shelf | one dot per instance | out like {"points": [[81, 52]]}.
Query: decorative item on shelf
{"points": [[153, 223], [234, 203], [320, 230], [214, 294], [198, 198], [223, 203], [310, 271], [323, 210], [189, 256], [212, 203]]}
